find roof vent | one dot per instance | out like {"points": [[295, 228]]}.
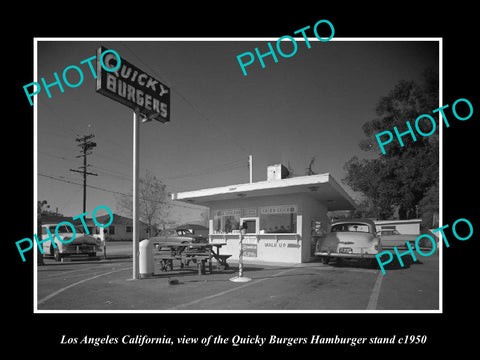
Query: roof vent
{"points": [[277, 172]]}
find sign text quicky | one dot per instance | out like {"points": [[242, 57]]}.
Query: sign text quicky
{"points": [[132, 87]]}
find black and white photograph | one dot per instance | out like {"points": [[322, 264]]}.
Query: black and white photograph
{"points": [[241, 181], [266, 191]]}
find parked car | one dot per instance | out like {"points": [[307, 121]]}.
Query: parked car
{"points": [[349, 239], [177, 236], [391, 238], [82, 244]]}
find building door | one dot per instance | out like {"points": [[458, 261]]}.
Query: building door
{"points": [[252, 225]]}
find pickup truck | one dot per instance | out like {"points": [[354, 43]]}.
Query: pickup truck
{"points": [[391, 238]]}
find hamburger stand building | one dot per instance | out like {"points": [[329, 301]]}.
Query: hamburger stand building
{"points": [[282, 214]]}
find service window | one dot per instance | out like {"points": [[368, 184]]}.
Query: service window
{"points": [[225, 221], [278, 219]]}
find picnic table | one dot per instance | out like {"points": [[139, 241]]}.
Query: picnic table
{"points": [[199, 253]]}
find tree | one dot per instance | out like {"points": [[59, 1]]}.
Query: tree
{"points": [[153, 207], [43, 209], [291, 171], [309, 170], [428, 207], [400, 179]]}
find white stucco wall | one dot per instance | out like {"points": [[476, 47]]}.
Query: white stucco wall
{"points": [[313, 211], [281, 247]]}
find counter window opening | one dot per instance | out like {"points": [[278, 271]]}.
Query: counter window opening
{"points": [[278, 219], [226, 221], [272, 220]]}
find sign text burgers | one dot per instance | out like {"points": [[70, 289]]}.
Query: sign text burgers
{"points": [[132, 87]]}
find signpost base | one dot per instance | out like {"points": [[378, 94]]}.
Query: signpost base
{"points": [[240, 279]]}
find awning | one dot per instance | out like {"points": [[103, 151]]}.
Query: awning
{"points": [[322, 187]]}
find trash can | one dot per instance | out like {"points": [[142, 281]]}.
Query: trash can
{"points": [[146, 264]]}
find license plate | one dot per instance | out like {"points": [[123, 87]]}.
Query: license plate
{"points": [[345, 250]]}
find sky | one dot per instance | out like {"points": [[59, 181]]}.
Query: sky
{"points": [[312, 104]]}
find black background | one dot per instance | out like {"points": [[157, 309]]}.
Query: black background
{"points": [[453, 330]]}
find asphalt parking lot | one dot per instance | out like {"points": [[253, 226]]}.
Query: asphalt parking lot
{"points": [[106, 284]]}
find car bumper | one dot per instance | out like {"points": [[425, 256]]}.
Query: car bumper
{"points": [[345, 255], [81, 249]]}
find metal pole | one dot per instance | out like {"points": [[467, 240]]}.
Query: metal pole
{"points": [[250, 160], [240, 256], [84, 180], [136, 232], [240, 277]]}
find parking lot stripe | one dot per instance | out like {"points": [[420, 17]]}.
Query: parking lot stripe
{"points": [[253, 282], [342, 269], [372, 302], [55, 293], [62, 273]]}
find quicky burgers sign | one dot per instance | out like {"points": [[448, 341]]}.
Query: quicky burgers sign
{"points": [[127, 84]]}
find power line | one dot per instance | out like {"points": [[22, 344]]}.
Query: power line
{"points": [[114, 192], [183, 97], [229, 166], [232, 165], [55, 156], [112, 173], [224, 167]]}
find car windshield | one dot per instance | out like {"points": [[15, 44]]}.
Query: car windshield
{"points": [[350, 227], [64, 229], [168, 233]]}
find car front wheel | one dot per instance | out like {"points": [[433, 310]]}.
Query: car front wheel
{"points": [[325, 259], [57, 255]]}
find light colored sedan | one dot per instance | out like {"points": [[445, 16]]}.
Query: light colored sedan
{"points": [[81, 244], [349, 239]]}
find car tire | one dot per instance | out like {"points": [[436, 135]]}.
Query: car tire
{"points": [[324, 259], [56, 255]]}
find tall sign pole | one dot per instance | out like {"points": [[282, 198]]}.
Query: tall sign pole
{"points": [[136, 172], [148, 98]]}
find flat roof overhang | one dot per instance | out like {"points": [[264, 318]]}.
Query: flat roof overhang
{"points": [[322, 187]]}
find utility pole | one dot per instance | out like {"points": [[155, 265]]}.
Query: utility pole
{"points": [[250, 167], [85, 145]]}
